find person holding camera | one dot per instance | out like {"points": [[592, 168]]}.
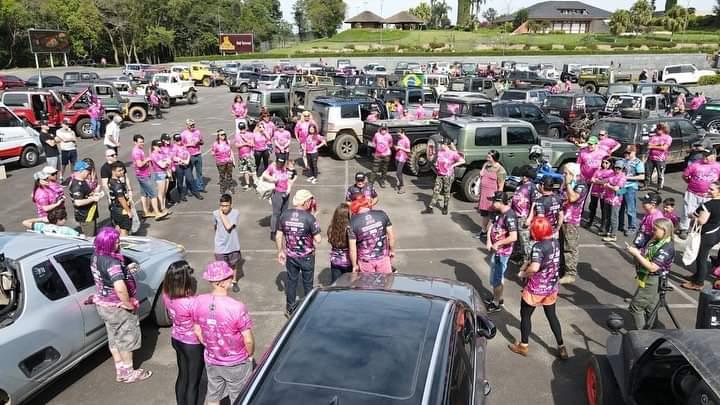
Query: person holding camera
{"points": [[650, 205], [652, 263], [281, 173], [522, 201], [548, 205], [574, 192]]}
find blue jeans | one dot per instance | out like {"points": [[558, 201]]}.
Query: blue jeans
{"points": [[497, 269], [295, 266], [95, 126], [196, 164], [185, 182], [629, 208]]}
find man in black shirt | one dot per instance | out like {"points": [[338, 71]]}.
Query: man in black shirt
{"points": [[549, 205], [84, 199], [49, 145], [361, 186], [120, 211], [106, 171]]}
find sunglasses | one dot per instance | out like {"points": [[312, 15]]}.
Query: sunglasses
{"points": [[111, 155]]}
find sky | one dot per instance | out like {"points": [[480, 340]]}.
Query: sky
{"points": [[387, 8]]}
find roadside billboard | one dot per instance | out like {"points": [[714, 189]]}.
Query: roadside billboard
{"points": [[240, 43], [49, 41]]}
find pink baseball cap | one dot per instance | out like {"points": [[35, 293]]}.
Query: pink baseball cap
{"points": [[218, 271]]}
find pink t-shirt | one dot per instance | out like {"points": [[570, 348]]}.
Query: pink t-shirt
{"points": [[222, 320], [281, 175], [181, 154], [420, 113], [383, 144], [181, 312], [169, 152], [301, 130], [601, 174], [281, 140], [445, 160], [269, 128], [244, 151], [312, 142], [139, 154], [608, 144], [590, 161], [160, 161], [371, 118], [401, 155], [173, 151], [610, 196], [222, 151], [239, 109], [701, 175], [261, 141], [660, 139], [399, 110], [191, 139], [44, 196]]}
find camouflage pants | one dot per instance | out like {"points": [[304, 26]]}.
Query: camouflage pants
{"points": [[441, 190], [571, 238], [225, 173], [379, 167]]}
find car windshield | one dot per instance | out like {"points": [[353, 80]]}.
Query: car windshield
{"points": [[558, 102], [513, 95], [413, 65], [620, 88], [161, 79], [254, 97], [379, 68], [266, 78], [623, 131], [617, 102]]}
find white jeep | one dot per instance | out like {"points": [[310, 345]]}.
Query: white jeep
{"points": [[683, 74], [176, 88]]}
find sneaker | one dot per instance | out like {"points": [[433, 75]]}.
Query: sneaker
{"points": [[610, 238], [246, 187], [401, 191], [381, 184], [314, 181], [567, 279], [427, 210], [309, 179], [445, 210], [480, 235], [493, 307], [602, 233], [490, 300], [235, 287]]}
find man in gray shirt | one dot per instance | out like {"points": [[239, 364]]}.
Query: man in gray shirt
{"points": [[227, 242]]}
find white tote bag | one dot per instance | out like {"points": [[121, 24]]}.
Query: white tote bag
{"points": [[692, 245]]}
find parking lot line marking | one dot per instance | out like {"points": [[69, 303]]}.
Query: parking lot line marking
{"points": [[616, 306], [347, 170]]}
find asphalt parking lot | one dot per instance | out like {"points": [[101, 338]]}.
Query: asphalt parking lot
{"points": [[434, 245]]}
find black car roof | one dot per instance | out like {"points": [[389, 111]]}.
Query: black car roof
{"points": [[354, 347]]}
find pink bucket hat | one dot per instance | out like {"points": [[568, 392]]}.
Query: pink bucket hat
{"points": [[217, 271]]}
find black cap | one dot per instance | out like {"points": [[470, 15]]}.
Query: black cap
{"points": [[280, 125], [530, 172], [500, 196], [241, 125], [165, 136], [547, 182], [281, 159], [651, 198], [360, 176]]}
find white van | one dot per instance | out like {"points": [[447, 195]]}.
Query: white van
{"points": [[18, 141]]}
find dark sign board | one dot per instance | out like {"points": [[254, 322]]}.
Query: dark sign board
{"points": [[236, 43], [49, 41]]}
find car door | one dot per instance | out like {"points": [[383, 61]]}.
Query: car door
{"points": [[533, 115], [19, 103], [517, 141], [48, 335], [76, 265], [462, 360], [684, 134]]}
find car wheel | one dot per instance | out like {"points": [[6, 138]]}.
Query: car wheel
{"points": [[345, 146], [590, 88], [159, 313], [206, 81], [600, 385], [554, 132], [165, 103], [714, 127], [419, 162], [83, 128], [670, 81], [243, 88], [137, 114], [471, 185], [192, 98], [30, 156], [173, 101]]}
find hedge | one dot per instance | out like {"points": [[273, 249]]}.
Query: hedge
{"points": [[569, 47], [545, 47], [708, 80]]}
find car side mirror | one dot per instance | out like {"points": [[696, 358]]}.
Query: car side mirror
{"points": [[615, 323], [485, 327]]}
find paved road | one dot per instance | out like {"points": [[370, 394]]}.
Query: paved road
{"points": [[427, 244]]}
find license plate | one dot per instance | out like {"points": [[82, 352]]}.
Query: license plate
{"points": [[556, 112]]}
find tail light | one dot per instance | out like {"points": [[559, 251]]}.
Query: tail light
{"points": [[2, 84], [572, 115]]}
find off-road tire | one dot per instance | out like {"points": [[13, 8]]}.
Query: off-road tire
{"points": [[206, 81], [601, 388], [192, 98], [469, 185], [137, 114], [345, 146], [418, 163], [590, 87], [83, 128], [159, 313]]}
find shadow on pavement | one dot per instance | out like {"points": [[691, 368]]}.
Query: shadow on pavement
{"points": [[76, 373], [466, 223], [568, 383]]}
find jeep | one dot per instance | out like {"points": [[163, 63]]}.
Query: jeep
{"points": [[474, 137], [683, 74], [70, 78], [474, 84], [419, 133], [571, 106], [341, 120], [654, 103], [242, 81], [177, 89], [592, 78], [411, 97], [275, 101], [135, 108], [35, 106]]}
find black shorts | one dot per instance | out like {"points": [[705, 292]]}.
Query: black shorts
{"points": [[484, 213], [68, 157], [121, 220]]}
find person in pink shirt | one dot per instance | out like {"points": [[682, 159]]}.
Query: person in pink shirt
{"points": [[224, 327], [399, 109], [193, 140], [402, 153], [568, 86], [96, 112], [185, 181], [245, 141], [43, 196], [239, 110], [261, 150], [597, 182], [699, 176], [282, 174], [590, 158], [652, 212], [154, 101], [382, 141], [143, 174], [178, 295], [168, 149], [310, 150], [658, 146], [281, 141], [697, 101], [447, 159], [668, 210], [373, 116], [610, 145], [224, 160], [301, 131], [420, 111], [612, 197], [160, 166], [269, 124]]}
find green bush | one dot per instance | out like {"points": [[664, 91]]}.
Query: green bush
{"points": [[527, 47], [545, 47], [637, 44], [593, 47], [349, 46], [436, 45], [617, 46], [709, 80], [570, 47]]}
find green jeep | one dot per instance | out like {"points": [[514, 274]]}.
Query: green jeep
{"points": [[592, 78], [513, 138]]}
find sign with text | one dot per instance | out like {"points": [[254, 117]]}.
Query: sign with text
{"points": [[49, 41], [236, 43]]}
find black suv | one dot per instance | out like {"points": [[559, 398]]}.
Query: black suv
{"points": [[572, 106], [637, 131], [523, 80], [708, 117], [417, 340]]}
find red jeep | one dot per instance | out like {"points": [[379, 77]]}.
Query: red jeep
{"points": [[34, 106]]}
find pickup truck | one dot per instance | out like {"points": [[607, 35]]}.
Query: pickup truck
{"points": [[683, 74], [474, 137], [411, 97], [592, 78], [654, 103], [419, 132], [177, 89], [474, 84]]}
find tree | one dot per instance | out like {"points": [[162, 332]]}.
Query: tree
{"points": [[463, 13], [669, 4], [520, 17], [325, 16], [15, 19], [439, 11], [491, 14], [80, 18], [506, 28], [620, 22], [640, 15], [676, 20], [423, 11]]}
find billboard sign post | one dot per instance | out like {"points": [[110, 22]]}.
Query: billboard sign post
{"points": [[49, 41], [236, 43]]}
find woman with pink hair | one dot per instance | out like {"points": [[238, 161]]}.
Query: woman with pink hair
{"points": [[116, 304]]}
